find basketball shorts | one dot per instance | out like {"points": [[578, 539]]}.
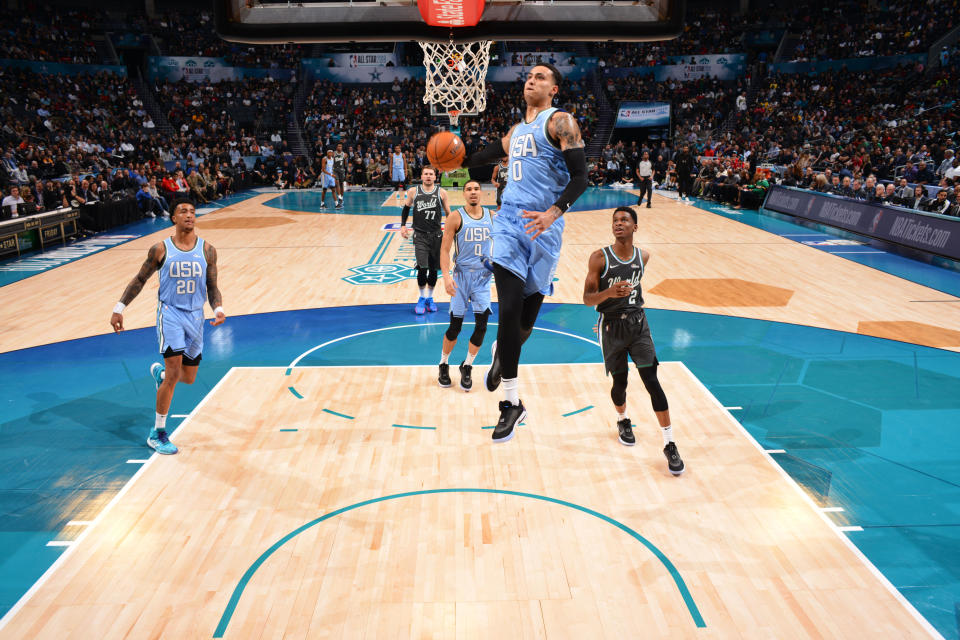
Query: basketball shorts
{"points": [[328, 182], [180, 330], [623, 334], [473, 291], [341, 176], [426, 248], [533, 261], [397, 175]]}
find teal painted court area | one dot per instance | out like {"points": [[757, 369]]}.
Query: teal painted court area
{"points": [[865, 424], [370, 203]]}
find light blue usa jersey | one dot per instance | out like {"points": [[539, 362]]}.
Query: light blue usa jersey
{"points": [[183, 277], [537, 171], [473, 241], [397, 161]]}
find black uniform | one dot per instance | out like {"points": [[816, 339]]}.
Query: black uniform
{"points": [[501, 182], [622, 327], [684, 163], [427, 212], [340, 167]]}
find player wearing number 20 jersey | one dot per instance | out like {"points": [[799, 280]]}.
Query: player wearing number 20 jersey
{"points": [[187, 269], [183, 291]]}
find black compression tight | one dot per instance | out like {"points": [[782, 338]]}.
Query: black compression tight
{"points": [[517, 316], [426, 277]]}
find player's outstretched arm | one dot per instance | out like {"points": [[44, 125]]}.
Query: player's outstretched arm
{"points": [[449, 233], [491, 154], [591, 287], [407, 203], [150, 266], [213, 291]]}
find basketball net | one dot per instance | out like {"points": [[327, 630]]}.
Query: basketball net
{"points": [[456, 75]]}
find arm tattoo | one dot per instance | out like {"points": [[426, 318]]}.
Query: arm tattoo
{"points": [[567, 132], [150, 266], [213, 291]]}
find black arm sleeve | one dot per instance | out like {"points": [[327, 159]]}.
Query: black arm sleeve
{"points": [[491, 154], [403, 215], [576, 160]]}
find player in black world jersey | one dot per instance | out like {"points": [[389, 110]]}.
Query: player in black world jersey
{"points": [[429, 204], [613, 285]]}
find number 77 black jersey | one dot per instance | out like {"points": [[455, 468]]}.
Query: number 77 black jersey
{"points": [[427, 210], [616, 270]]}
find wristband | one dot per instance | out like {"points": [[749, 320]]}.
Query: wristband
{"points": [[218, 310], [119, 307]]}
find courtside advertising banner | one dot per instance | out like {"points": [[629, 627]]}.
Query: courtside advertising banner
{"points": [[924, 231], [643, 114]]}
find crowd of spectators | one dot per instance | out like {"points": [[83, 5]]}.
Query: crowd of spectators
{"points": [[48, 34], [191, 33], [708, 32], [87, 138], [370, 120], [859, 28]]}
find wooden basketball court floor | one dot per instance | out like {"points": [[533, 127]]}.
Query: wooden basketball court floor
{"points": [[364, 501]]}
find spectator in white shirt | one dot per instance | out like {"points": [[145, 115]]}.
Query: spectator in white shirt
{"points": [[13, 201]]}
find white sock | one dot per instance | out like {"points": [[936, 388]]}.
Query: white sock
{"points": [[161, 422], [667, 435], [511, 390], [429, 289], [622, 416], [423, 292], [444, 357], [469, 358]]}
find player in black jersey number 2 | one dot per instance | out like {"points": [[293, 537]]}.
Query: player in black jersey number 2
{"points": [[613, 285]]}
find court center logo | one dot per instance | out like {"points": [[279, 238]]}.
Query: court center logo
{"points": [[392, 261]]}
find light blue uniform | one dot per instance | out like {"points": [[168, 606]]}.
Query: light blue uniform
{"points": [[327, 181], [397, 175], [537, 175], [183, 291], [471, 277]]}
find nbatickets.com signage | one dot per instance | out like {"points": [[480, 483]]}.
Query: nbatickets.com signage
{"points": [[916, 230]]}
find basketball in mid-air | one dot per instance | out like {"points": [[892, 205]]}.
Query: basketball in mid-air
{"points": [[445, 151]]}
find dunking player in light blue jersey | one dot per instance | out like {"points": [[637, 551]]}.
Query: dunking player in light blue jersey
{"points": [[469, 284], [187, 269], [547, 172]]}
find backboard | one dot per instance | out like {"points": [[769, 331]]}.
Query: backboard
{"points": [[254, 21]]}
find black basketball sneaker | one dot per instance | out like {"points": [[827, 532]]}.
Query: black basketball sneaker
{"points": [[492, 377], [466, 376], [626, 432], [444, 378], [674, 463], [510, 416]]}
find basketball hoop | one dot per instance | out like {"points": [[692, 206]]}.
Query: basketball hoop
{"points": [[456, 76]]}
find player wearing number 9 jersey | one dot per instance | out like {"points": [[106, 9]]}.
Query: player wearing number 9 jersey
{"points": [[546, 173], [187, 269]]}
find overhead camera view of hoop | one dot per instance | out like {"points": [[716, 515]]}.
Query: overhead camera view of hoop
{"points": [[562, 319]]}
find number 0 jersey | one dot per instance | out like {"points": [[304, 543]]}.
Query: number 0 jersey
{"points": [[537, 170], [183, 277], [473, 240], [616, 270]]}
